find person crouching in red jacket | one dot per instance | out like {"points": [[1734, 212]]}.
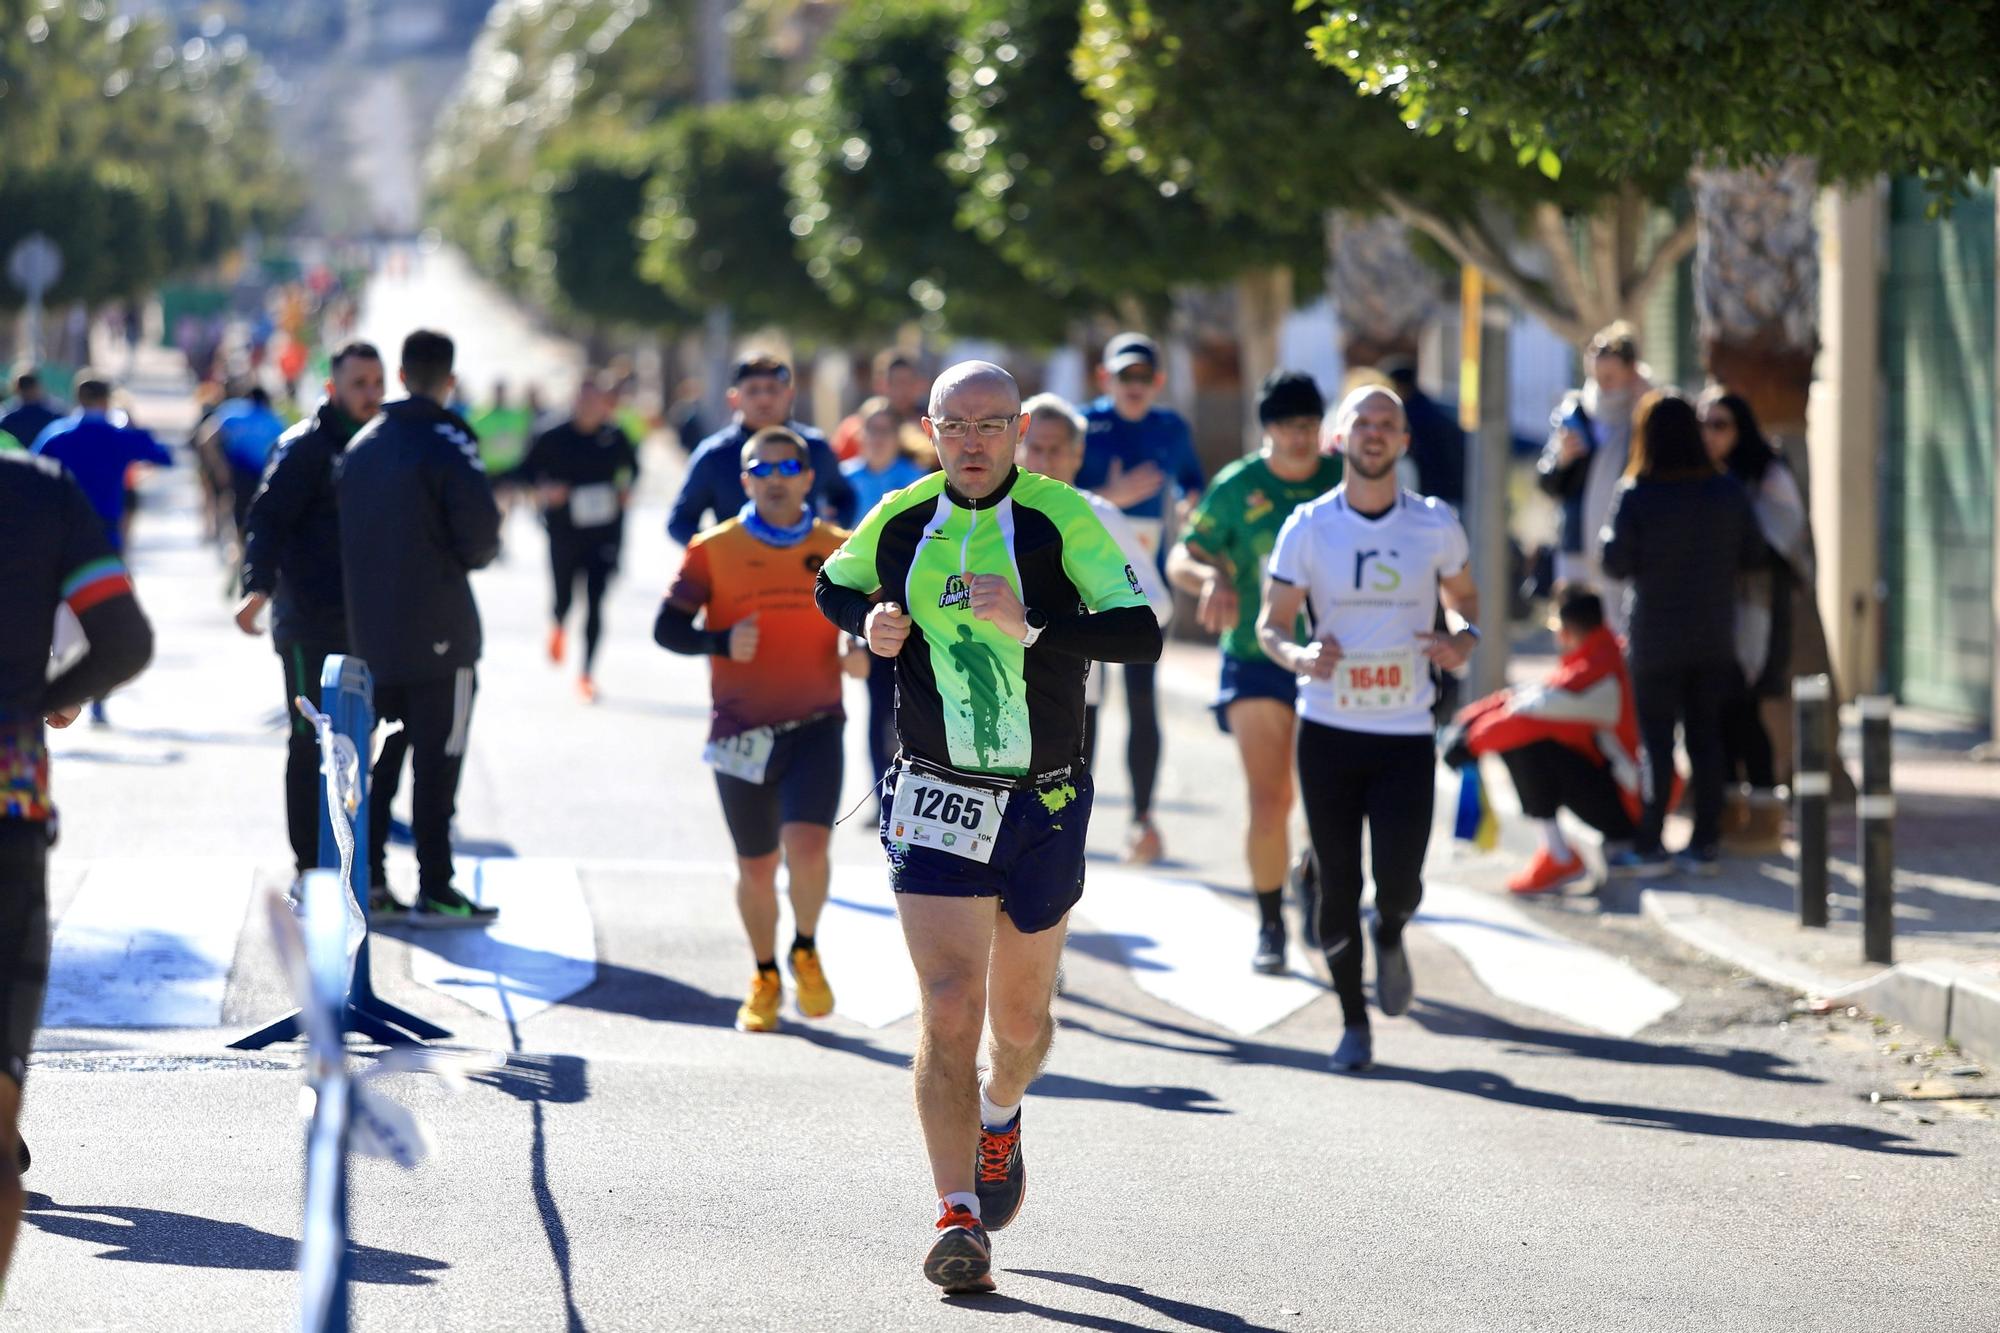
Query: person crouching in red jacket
{"points": [[1572, 741]]}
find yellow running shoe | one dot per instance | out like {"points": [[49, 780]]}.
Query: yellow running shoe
{"points": [[759, 1010], [814, 995]]}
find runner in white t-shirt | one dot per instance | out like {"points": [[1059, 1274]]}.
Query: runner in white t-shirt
{"points": [[1368, 562]]}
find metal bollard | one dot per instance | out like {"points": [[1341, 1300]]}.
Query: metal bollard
{"points": [[1812, 783], [1875, 808]]}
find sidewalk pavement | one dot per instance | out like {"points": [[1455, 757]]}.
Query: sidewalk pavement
{"points": [[1945, 982]]}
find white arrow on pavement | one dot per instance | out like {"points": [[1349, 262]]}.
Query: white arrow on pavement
{"points": [[1521, 960], [541, 951], [148, 943], [1186, 946]]}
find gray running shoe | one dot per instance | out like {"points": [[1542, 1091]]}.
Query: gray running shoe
{"points": [[1394, 987], [1355, 1053]]}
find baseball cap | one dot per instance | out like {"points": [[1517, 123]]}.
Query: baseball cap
{"points": [[1131, 349]]}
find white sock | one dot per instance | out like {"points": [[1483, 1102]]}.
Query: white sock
{"points": [[1552, 840], [992, 1115], [951, 1201]]}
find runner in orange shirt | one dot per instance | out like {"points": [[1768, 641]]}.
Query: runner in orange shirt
{"points": [[775, 736]]}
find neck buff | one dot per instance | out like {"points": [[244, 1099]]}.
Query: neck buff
{"points": [[771, 535]]}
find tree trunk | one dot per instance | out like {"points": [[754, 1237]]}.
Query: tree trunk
{"points": [[1263, 299], [1757, 287], [1576, 272], [1382, 292]]}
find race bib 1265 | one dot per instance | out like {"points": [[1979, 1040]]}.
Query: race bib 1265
{"points": [[945, 817]]}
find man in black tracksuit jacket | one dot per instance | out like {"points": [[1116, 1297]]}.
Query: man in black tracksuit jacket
{"points": [[416, 518], [291, 562]]}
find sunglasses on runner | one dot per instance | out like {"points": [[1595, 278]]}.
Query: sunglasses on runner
{"points": [[783, 467]]}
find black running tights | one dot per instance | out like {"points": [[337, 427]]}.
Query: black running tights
{"points": [[1346, 779]]}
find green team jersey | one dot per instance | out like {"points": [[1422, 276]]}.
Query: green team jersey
{"points": [[1236, 524], [503, 436], [969, 695]]}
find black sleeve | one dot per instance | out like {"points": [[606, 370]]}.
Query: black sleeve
{"points": [[531, 468], [288, 485], [472, 519], [1122, 634], [1620, 556], [120, 645], [673, 630], [849, 609], [1557, 478], [833, 485]]}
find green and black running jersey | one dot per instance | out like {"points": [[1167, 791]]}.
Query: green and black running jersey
{"points": [[969, 695]]}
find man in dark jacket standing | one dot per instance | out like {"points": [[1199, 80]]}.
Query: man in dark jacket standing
{"points": [[291, 562], [416, 518]]}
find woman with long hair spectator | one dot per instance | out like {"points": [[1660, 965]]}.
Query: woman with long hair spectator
{"points": [[1680, 531], [1763, 601]]}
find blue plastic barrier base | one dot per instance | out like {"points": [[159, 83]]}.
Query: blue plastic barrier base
{"points": [[378, 1021]]}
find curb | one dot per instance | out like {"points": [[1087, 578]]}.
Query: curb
{"points": [[1945, 1001]]}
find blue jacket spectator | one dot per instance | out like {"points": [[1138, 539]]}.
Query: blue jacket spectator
{"points": [[97, 451], [713, 490]]}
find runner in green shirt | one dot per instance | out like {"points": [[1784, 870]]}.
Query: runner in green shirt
{"points": [[1221, 561], [993, 589]]}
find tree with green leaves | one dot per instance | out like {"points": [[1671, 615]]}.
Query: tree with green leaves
{"points": [[592, 210], [141, 155], [545, 80], [1042, 185], [1761, 101], [1231, 101], [1864, 87], [873, 202], [716, 228]]}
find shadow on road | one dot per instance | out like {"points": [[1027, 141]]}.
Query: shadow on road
{"points": [[154, 1236], [1233, 1050], [1120, 948], [1452, 1020], [1156, 1097], [562, 1079], [1185, 1313], [1499, 1088]]}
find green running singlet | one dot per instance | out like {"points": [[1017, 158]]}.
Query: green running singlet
{"points": [[1236, 525], [969, 695]]}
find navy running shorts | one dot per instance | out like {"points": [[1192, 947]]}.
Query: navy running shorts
{"points": [[1036, 867], [1244, 678], [801, 786]]}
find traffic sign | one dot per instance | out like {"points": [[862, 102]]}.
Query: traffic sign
{"points": [[34, 264]]}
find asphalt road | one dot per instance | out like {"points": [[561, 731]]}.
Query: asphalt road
{"points": [[637, 1164]]}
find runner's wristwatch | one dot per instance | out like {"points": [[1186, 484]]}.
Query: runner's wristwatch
{"points": [[1036, 621]]}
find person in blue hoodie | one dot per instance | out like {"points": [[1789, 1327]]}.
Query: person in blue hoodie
{"points": [[1138, 455]]}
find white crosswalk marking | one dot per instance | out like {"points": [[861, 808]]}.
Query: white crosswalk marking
{"points": [[1186, 946], [148, 943], [1521, 960], [862, 943], [540, 952]]}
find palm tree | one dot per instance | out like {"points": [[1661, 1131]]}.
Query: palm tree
{"points": [[1382, 290], [1757, 286]]}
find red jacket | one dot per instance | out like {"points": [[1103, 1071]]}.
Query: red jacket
{"points": [[1586, 705]]}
